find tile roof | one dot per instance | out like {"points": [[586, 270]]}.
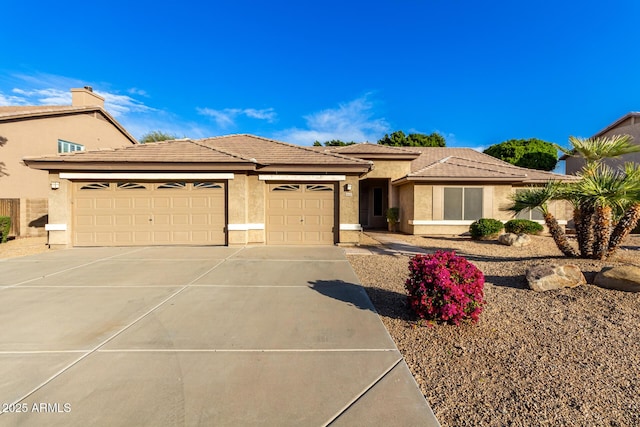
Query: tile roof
{"points": [[26, 112], [247, 151], [12, 111], [177, 151], [438, 164], [368, 148], [270, 152]]}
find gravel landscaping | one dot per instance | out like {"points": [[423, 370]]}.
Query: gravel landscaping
{"points": [[562, 357]]}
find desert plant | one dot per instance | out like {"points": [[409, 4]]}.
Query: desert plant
{"points": [[606, 201], [485, 228], [5, 226], [520, 226], [445, 287], [393, 216]]}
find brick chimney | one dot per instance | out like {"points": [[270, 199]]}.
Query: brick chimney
{"points": [[85, 97]]}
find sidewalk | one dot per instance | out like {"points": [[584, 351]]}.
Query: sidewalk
{"points": [[390, 244]]}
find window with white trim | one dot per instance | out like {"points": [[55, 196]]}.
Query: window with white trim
{"points": [[69, 147], [462, 203], [532, 215]]}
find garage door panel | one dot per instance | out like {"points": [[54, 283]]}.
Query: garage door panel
{"points": [[145, 214], [202, 219], [300, 214], [102, 204], [200, 202], [103, 220], [180, 219]]}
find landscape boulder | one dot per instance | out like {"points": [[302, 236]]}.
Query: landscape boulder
{"points": [[621, 278], [512, 239], [545, 277]]}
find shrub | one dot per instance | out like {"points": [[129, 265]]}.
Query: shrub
{"points": [[485, 228], [519, 226], [5, 226], [446, 287]]}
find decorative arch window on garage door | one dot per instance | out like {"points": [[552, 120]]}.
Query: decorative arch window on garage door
{"points": [[95, 186], [172, 185], [319, 187], [286, 187], [201, 185], [131, 186]]}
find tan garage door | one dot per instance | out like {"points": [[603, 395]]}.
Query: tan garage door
{"points": [[300, 214], [149, 213]]}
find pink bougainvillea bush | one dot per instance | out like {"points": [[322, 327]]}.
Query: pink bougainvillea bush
{"points": [[446, 287]]}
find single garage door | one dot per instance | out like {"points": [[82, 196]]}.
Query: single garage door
{"points": [[149, 213], [300, 214]]}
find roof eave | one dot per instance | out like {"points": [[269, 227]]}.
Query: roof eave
{"points": [[138, 166], [321, 168]]}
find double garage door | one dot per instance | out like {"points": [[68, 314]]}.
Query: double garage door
{"points": [[149, 213]]}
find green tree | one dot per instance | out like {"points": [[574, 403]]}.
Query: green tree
{"points": [[399, 139], [527, 153], [333, 143], [606, 201], [156, 136]]}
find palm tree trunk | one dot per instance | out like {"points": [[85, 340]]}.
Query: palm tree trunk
{"points": [[625, 226], [583, 218], [602, 232], [559, 237]]}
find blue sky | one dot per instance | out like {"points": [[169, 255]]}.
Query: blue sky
{"points": [[477, 72]]}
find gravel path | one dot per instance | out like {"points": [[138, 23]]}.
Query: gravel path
{"points": [[566, 357], [23, 246]]}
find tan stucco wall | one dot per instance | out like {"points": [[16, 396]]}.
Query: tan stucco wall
{"points": [[39, 137], [428, 206], [406, 206], [60, 211], [348, 210], [393, 169]]}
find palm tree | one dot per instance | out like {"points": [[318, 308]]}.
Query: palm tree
{"points": [[606, 201], [539, 198]]}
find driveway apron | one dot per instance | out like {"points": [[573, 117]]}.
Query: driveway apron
{"points": [[197, 336]]}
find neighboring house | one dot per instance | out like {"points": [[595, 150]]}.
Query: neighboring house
{"points": [[629, 124], [48, 130], [244, 189]]}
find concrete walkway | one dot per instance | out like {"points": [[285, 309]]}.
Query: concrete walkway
{"points": [[197, 336], [391, 244]]}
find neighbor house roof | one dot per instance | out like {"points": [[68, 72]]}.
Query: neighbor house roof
{"points": [[233, 152], [631, 115], [466, 164], [30, 112]]}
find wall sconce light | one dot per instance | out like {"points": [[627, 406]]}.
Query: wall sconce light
{"points": [[347, 187], [55, 185]]}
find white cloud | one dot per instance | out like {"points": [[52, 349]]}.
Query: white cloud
{"points": [[119, 105], [351, 121], [227, 117], [136, 91], [48, 96], [6, 100]]}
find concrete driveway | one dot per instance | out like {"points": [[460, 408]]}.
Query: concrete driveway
{"points": [[197, 336]]}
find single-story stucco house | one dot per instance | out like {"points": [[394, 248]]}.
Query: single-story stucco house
{"points": [[245, 189], [41, 130]]}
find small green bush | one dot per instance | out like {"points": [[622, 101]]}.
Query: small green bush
{"points": [[5, 226], [520, 226], [485, 228]]}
